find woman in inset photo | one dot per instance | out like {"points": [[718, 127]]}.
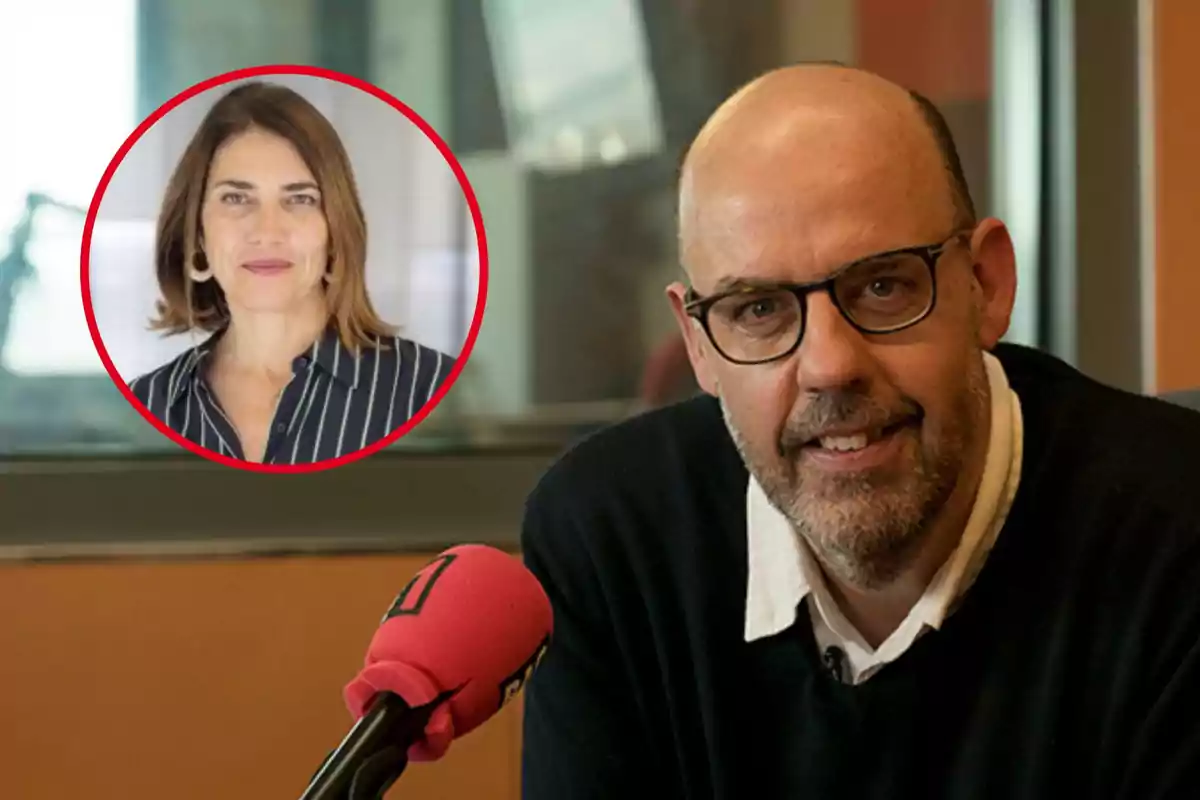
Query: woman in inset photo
{"points": [[261, 241]]}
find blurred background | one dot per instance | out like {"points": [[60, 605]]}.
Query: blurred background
{"points": [[175, 628]]}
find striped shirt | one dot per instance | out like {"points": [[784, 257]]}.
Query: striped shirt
{"points": [[337, 402]]}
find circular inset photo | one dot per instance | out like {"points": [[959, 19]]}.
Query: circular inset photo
{"points": [[284, 269]]}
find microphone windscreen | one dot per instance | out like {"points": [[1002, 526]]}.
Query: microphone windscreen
{"points": [[475, 622]]}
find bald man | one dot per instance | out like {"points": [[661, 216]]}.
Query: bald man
{"points": [[883, 555]]}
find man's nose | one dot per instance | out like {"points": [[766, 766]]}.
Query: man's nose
{"points": [[833, 353]]}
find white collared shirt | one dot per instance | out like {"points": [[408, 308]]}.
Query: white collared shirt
{"points": [[783, 570]]}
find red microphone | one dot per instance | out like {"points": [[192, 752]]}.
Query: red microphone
{"points": [[459, 642]]}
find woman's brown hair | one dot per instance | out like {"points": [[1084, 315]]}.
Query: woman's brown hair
{"points": [[281, 111]]}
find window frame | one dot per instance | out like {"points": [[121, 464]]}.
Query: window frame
{"points": [[173, 506]]}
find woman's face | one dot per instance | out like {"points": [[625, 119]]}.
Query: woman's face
{"points": [[263, 227]]}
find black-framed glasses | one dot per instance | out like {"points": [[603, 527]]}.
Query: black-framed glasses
{"points": [[760, 322]]}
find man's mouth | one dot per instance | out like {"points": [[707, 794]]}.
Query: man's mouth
{"points": [[850, 450], [849, 440]]}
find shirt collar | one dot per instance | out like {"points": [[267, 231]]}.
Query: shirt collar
{"points": [[327, 352], [783, 571], [335, 358]]}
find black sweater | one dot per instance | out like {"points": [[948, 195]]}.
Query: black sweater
{"points": [[1070, 670]]}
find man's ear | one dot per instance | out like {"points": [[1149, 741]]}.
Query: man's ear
{"points": [[995, 272], [700, 351]]}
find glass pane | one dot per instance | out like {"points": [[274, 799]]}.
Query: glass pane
{"points": [[585, 243], [574, 101], [569, 119], [54, 393]]}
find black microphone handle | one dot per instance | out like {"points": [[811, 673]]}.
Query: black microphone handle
{"points": [[374, 752], [378, 773]]}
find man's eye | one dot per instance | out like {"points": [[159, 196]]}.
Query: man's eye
{"points": [[884, 287], [757, 308]]}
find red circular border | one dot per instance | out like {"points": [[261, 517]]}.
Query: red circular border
{"points": [[430, 133]]}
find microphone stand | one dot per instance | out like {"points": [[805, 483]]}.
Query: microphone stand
{"points": [[15, 266]]}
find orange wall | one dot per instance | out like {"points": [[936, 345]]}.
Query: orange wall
{"points": [[203, 679], [941, 48], [1177, 120]]}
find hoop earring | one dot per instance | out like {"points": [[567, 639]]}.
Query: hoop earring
{"points": [[195, 273]]}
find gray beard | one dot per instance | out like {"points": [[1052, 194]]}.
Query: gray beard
{"points": [[867, 530]]}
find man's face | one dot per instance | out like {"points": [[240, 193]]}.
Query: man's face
{"points": [[863, 510], [860, 439]]}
